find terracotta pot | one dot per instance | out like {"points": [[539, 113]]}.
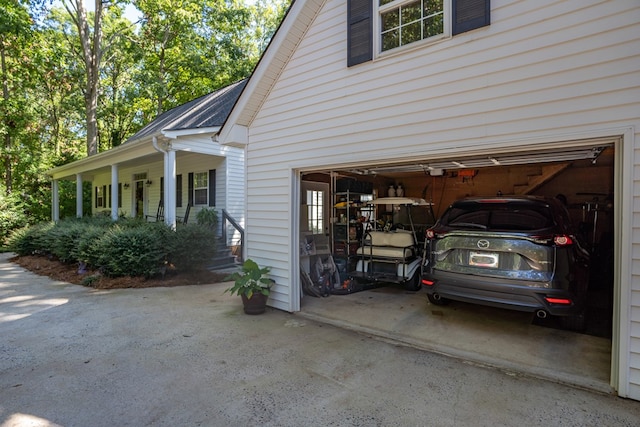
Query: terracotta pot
{"points": [[257, 304]]}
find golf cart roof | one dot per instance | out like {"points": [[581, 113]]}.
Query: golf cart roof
{"points": [[410, 201]]}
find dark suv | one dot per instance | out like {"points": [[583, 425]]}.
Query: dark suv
{"points": [[519, 253]]}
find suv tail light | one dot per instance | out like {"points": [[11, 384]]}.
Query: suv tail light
{"points": [[558, 240], [562, 301], [430, 234], [563, 240]]}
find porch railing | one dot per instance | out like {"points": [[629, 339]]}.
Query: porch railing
{"points": [[226, 221]]}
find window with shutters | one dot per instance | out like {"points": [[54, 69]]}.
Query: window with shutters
{"points": [[383, 26], [408, 21], [200, 188]]}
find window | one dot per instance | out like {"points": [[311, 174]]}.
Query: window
{"points": [[408, 21], [200, 188], [402, 22], [315, 207]]}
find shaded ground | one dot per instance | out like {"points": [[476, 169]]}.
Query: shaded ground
{"points": [[56, 270]]}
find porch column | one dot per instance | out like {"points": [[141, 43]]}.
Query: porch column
{"points": [[170, 187], [79, 212], [114, 192], [55, 201]]}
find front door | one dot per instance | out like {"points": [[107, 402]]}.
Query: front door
{"points": [[139, 199]]}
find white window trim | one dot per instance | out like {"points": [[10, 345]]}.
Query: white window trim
{"points": [[377, 28]]}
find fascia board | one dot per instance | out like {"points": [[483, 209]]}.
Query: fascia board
{"points": [[122, 153], [174, 134]]}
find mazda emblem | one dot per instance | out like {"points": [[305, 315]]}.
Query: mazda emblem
{"points": [[483, 244]]}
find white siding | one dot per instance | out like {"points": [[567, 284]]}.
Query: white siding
{"points": [[542, 71]]}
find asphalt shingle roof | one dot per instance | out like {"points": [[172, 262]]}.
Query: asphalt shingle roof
{"points": [[207, 111]]}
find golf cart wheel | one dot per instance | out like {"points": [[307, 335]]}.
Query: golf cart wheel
{"points": [[414, 283], [437, 300]]}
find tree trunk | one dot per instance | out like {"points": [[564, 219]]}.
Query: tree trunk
{"points": [[6, 158], [92, 56]]}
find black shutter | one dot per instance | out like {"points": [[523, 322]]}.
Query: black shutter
{"points": [[96, 197], [179, 191], [212, 187], [109, 195], [162, 188], [119, 194], [190, 186], [470, 14], [104, 196], [359, 31]]}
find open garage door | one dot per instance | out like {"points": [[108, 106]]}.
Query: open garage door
{"points": [[580, 174]]}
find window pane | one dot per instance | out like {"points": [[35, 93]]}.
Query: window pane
{"points": [[411, 33], [432, 6], [200, 180], [200, 197], [390, 20], [433, 26], [411, 12], [383, 2], [390, 40], [315, 210]]}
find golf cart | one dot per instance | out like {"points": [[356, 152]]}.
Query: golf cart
{"points": [[391, 254]]}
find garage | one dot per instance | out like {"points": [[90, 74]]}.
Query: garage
{"points": [[521, 98], [337, 210]]}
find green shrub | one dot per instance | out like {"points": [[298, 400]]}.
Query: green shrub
{"points": [[207, 217], [133, 251], [127, 247], [191, 247], [30, 240], [12, 215], [86, 248], [63, 239]]}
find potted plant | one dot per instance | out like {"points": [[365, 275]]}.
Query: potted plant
{"points": [[253, 285]]}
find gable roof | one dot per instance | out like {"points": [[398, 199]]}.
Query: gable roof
{"points": [[210, 110], [293, 27]]}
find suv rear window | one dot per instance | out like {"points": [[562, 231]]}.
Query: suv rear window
{"points": [[498, 216]]}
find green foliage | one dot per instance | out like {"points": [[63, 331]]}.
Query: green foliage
{"points": [[250, 280], [127, 247], [179, 51], [191, 247], [133, 251], [86, 248], [207, 217], [30, 240], [12, 215], [62, 240]]}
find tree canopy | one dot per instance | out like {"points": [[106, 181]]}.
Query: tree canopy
{"points": [[78, 78]]}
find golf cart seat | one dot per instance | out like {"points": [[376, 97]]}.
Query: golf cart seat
{"points": [[388, 244]]}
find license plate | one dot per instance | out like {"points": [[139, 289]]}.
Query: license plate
{"points": [[483, 259]]}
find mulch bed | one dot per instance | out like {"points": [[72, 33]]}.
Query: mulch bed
{"points": [[56, 270]]}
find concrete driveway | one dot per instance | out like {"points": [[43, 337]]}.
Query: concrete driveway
{"points": [[188, 356]]}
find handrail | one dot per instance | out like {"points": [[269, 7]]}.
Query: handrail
{"points": [[226, 218]]}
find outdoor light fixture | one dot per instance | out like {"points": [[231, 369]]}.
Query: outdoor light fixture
{"points": [[149, 182], [125, 185]]}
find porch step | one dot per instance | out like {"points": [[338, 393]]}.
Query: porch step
{"points": [[224, 259]]}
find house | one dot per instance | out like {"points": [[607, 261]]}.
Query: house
{"points": [[353, 98], [170, 165]]}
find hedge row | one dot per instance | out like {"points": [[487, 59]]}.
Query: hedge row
{"points": [[126, 247]]}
